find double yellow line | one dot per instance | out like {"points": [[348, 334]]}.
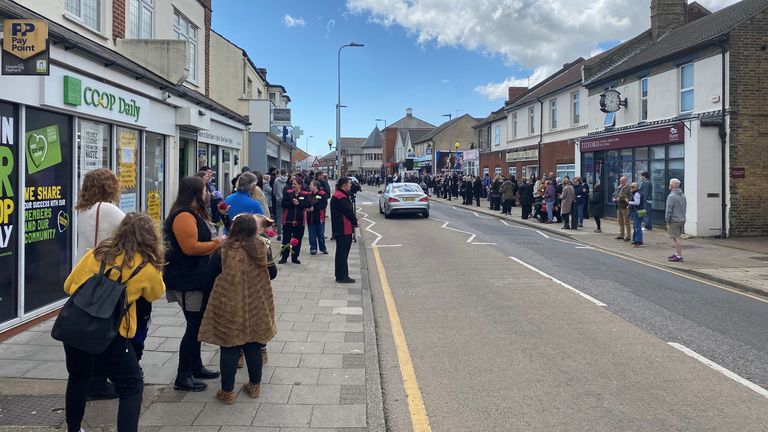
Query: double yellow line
{"points": [[419, 419]]}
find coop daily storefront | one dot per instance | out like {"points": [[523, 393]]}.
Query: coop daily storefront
{"points": [[53, 131]]}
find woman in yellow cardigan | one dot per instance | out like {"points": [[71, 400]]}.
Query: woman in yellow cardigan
{"points": [[136, 243]]}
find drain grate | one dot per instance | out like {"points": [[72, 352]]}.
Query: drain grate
{"points": [[760, 258], [31, 411]]}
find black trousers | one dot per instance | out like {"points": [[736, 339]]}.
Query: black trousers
{"points": [[343, 245], [574, 218], [526, 210], [477, 200], [228, 364], [566, 219], [121, 367], [597, 222], [290, 231], [507, 206], [189, 349]]}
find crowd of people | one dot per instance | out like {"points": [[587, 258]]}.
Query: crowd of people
{"points": [[213, 257]]}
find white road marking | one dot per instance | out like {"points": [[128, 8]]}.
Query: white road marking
{"points": [[558, 281], [487, 244], [481, 217], [584, 247], [375, 242], [366, 203], [445, 225], [542, 234], [743, 381]]}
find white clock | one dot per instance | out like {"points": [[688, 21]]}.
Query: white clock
{"points": [[610, 101]]}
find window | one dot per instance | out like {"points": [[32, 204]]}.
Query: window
{"points": [[513, 172], [686, 88], [185, 30], [373, 156], [259, 94], [249, 88], [88, 12], [497, 135], [644, 99], [531, 121], [610, 119], [575, 107], [128, 158], [514, 125], [497, 171], [93, 147], [272, 97], [566, 170], [553, 114], [140, 14], [153, 176]]}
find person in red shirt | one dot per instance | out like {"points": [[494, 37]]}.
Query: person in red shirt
{"points": [[295, 204], [343, 224]]}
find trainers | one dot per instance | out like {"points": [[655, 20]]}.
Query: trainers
{"points": [[646, 229], [639, 244], [627, 239], [676, 259], [228, 397], [598, 231], [619, 237], [671, 256], [253, 390], [325, 252]]}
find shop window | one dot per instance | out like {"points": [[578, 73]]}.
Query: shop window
{"points": [[10, 209], [686, 88], [676, 151], [553, 114], [625, 164], [497, 171], [48, 235], [564, 170], [658, 173], [641, 153], [512, 171], [644, 99], [185, 30], [575, 108], [128, 168], [154, 176], [658, 152], [87, 12], [92, 147], [140, 16]]}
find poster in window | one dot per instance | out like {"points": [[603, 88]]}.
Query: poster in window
{"points": [[93, 147], [9, 212], [127, 167], [48, 206]]}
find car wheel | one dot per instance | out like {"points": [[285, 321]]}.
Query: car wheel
{"points": [[426, 214], [380, 210], [386, 215]]}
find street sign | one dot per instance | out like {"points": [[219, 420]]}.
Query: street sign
{"points": [[316, 163]]}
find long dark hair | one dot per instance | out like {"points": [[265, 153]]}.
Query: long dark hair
{"points": [[243, 234], [190, 197]]}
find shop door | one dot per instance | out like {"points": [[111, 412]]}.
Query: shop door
{"points": [[183, 157], [226, 172]]}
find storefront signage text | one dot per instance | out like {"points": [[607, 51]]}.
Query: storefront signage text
{"points": [[522, 155], [7, 201], [25, 47], [664, 135], [96, 98], [281, 117]]}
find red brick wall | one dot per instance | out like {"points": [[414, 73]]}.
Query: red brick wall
{"points": [[208, 11], [491, 160], [118, 19], [554, 153], [390, 140]]}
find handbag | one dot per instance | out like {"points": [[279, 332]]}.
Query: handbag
{"points": [[642, 213]]}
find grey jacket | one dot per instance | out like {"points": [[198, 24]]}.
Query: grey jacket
{"points": [[676, 206], [566, 203], [646, 188], [277, 190]]}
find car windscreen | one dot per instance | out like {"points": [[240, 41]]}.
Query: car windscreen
{"points": [[406, 189]]}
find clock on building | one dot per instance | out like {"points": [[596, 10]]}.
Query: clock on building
{"points": [[611, 101]]}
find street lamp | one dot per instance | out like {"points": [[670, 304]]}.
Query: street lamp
{"points": [[338, 100], [306, 142], [385, 122], [447, 115]]}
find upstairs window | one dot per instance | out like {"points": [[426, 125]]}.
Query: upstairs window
{"points": [[553, 114], [497, 135], [686, 88], [140, 15], [531, 120], [644, 99], [575, 107], [87, 12], [185, 30], [249, 88], [514, 125]]}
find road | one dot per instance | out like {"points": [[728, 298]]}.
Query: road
{"points": [[496, 345]]}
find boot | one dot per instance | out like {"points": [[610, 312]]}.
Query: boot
{"points": [[228, 397], [253, 390]]}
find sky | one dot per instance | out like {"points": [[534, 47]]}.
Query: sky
{"points": [[435, 56]]}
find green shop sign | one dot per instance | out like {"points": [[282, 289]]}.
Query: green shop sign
{"points": [[76, 95]]}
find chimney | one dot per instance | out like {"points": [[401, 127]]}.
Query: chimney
{"points": [[516, 92], [667, 15], [409, 112], [263, 72]]}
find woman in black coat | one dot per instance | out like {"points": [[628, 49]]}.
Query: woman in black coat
{"points": [[596, 205], [477, 190]]}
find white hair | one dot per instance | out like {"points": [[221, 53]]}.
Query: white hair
{"points": [[675, 183]]}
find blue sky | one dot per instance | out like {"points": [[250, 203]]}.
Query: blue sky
{"points": [[435, 56]]}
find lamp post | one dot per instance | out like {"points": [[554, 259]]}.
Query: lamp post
{"points": [[384, 120], [330, 147], [306, 142], [338, 99], [457, 146], [449, 117]]}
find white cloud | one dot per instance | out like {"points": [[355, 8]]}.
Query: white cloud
{"points": [[329, 26], [290, 21], [498, 91]]}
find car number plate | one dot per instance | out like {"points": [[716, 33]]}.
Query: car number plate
{"points": [[409, 199]]}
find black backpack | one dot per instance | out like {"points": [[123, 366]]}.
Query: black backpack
{"points": [[90, 319]]}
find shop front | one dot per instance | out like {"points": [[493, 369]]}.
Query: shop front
{"points": [[471, 162], [659, 151], [522, 162], [219, 148]]}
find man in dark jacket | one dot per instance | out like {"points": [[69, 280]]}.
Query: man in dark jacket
{"points": [[343, 224], [526, 198]]}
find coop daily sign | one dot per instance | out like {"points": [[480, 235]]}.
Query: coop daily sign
{"points": [[75, 92]]}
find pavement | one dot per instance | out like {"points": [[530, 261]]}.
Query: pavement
{"points": [[593, 342], [322, 374], [735, 262]]}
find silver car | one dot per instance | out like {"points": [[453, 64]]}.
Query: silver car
{"points": [[403, 198]]}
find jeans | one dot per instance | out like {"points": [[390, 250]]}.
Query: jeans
{"points": [[120, 364], [343, 245], [189, 349], [550, 207], [637, 235], [580, 213], [647, 218], [289, 232], [624, 224], [316, 237], [228, 364]]}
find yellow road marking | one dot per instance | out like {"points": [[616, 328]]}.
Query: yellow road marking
{"points": [[419, 419]]}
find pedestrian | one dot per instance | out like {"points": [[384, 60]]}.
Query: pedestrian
{"points": [[636, 212], [135, 248], [549, 200], [318, 201], [525, 192], [245, 169], [477, 190], [581, 189], [343, 224], [240, 316], [507, 196], [621, 197], [98, 217], [267, 189], [295, 203], [596, 205], [258, 194], [674, 216], [646, 188], [567, 205], [241, 200], [190, 235], [496, 193], [210, 185], [277, 192]]}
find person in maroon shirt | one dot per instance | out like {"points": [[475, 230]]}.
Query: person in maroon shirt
{"points": [[343, 224]]}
